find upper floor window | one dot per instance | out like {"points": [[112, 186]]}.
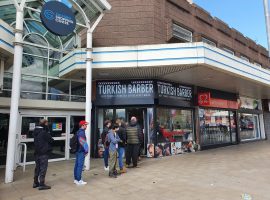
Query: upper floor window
{"points": [[244, 58], [228, 50], [182, 33], [207, 41]]}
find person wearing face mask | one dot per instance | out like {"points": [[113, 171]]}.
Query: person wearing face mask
{"points": [[43, 146]]}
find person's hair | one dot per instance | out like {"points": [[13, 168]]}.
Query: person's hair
{"points": [[43, 121], [107, 122], [118, 121], [133, 119], [115, 126]]}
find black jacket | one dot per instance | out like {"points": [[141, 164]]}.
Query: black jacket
{"points": [[42, 140], [122, 135], [103, 135]]}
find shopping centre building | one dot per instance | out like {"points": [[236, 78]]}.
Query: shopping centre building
{"points": [[183, 73]]}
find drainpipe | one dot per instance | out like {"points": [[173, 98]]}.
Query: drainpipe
{"points": [[267, 21], [15, 95]]}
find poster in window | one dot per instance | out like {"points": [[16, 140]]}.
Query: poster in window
{"points": [[57, 126], [150, 150], [32, 126]]}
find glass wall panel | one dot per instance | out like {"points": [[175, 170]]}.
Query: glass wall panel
{"points": [[58, 89], [57, 126], [53, 68], [78, 88], [217, 126], [33, 84], [77, 99], [34, 65], [121, 114], [249, 126], [7, 81], [28, 126], [33, 50]]}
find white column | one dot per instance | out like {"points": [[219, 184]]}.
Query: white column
{"points": [[88, 103], [1, 73], [15, 96], [267, 22]]}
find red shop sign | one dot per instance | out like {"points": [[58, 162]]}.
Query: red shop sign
{"points": [[205, 100]]}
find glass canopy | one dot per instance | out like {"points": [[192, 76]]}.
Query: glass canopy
{"points": [[32, 22]]}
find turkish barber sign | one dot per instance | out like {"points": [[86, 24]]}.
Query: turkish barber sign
{"points": [[58, 18], [125, 92], [174, 90]]}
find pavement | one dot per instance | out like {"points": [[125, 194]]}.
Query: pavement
{"points": [[219, 174]]}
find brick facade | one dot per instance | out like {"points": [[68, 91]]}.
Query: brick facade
{"points": [[140, 22]]}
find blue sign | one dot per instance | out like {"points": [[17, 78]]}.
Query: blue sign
{"points": [[58, 18]]}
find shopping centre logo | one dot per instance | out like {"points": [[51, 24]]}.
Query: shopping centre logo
{"points": [[58, 18], [49, 14]]}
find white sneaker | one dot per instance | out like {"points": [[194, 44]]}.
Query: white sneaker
{"points": [[106, 168], [75, 182], [82, 182]]}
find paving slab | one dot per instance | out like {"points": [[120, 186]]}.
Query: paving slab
{"points": [[217, 174]]}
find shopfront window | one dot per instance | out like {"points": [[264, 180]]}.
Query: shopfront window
{"points": [[217, 126], [174, 125], [249, 126]]}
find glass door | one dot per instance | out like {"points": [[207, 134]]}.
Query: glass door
{"points": [[57, 127]]}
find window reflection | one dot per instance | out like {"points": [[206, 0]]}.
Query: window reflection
{"points": [[217, 126], [174, 125]]}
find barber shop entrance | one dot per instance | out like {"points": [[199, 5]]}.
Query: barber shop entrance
{"points": [[149, 101], [124, 114]]}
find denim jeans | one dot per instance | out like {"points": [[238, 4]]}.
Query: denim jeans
{"points": [[106, 156], [79, 166], [121, 151]]}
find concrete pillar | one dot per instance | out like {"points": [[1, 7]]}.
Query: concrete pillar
{"points": [[15, 96], [88, 103]]}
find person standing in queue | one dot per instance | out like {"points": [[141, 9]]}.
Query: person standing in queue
{"points": [[113, 139], [43, 146], [121, 145], [134, 139], [107, 125], [82, 151]]}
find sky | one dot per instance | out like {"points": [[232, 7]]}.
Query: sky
{"points": [[246, 16]]}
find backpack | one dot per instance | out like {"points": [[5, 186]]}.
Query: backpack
{"points": [[73, 144]]}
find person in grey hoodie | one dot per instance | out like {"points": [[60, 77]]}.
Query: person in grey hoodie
{"points": [[113, 139], [43, 146]]}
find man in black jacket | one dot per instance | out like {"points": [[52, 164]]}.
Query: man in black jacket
{"points": [[42, 142], [121, 145]]}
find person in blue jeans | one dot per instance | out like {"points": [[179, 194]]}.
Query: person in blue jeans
{"points": [[82, 151], [121, 145], [104, 137]]}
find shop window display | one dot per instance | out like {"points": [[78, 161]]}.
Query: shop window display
{"points": [[174, 132], [217, 126], [249, 126]]}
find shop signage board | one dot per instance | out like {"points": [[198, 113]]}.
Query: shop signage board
{"points": [[216, 103], [249, 103], [58, 18], [135, 92], [126, 92], [174, 90]]}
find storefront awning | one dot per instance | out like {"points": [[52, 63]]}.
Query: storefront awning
{"points": [[189, 63]]}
